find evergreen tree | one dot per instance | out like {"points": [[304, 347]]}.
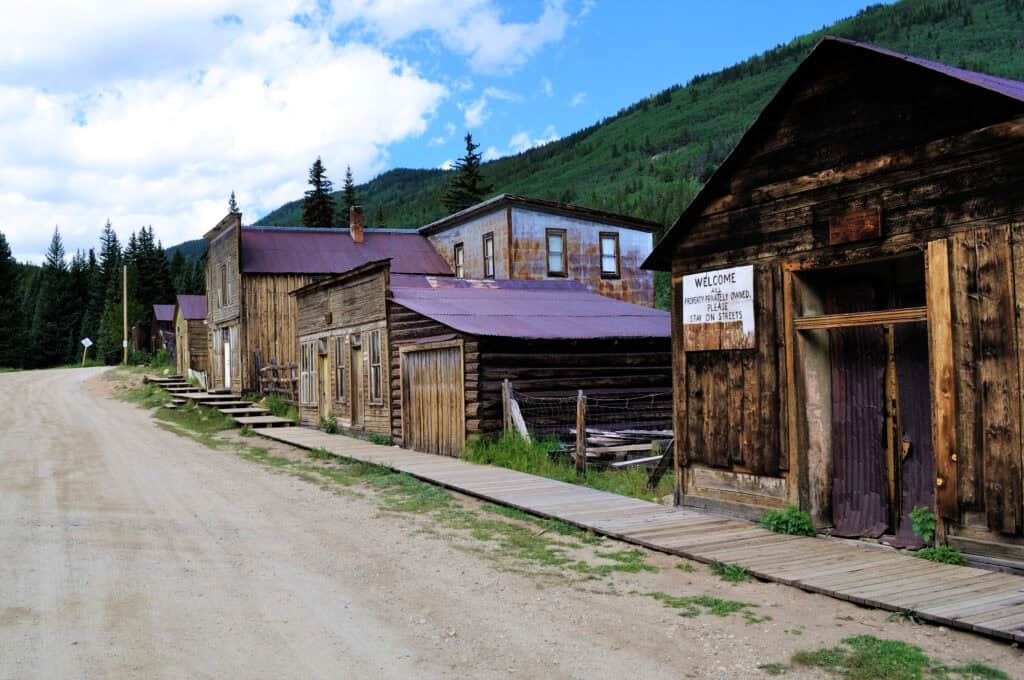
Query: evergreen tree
{"points": [[348, 195], [52, 334], [468, 186], [378, 217], [31, 279], [179, 272], [108, 342], [233, 205], [317, 207], [77, 299], [11, 339], [95, 288]]}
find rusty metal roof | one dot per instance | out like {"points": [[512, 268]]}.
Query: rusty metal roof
{"points": [[163, 312], [192, 306], [299, 250], [534, 310]]}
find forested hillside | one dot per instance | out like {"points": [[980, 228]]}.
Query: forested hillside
{"points": [[649, 159]]}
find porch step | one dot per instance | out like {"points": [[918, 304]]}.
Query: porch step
{"points": [[243, 411], [221, 405], [264, 421], [220, 391]]}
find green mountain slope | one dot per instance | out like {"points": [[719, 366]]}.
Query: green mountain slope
{"points": [[649, 159]]}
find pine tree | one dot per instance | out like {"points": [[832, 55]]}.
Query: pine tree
{"points": [[317, 207], [468, 186], [179, 272], [348, 195], [11, 340], [233, 205], [51, 334], [378, 217], [96, 286]]}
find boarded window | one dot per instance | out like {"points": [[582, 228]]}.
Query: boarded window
{"points": [[339, 369], [376, 374], [460, 261], [489, 256], [610, 255], [222, 298], [557, 264]]}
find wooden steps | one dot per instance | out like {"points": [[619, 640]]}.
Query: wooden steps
{"points": [[966, 598], [264, 421], [240, 403], [243, 411]]}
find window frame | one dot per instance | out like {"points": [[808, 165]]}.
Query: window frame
{"points": [[489, 238], [459, 260], [564, 235], [376, 367], [222, 291], [339, 369], [614, 236]]}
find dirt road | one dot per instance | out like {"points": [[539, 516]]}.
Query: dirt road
{"points": [[130, 551]]}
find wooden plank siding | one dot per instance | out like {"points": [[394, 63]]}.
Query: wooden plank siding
{"points": [[269, 322]]}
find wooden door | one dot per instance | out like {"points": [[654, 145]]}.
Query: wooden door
{"points": [[433, 405], [324, 377], [227, 360], [356, 393]]}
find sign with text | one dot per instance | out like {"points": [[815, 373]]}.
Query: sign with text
{"points": [[718, 309]]}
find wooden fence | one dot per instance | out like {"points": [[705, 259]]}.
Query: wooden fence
{"points": [[280, 379]]}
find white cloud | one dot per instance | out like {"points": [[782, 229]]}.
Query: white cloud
{"points": [[437, 141], [476, 113], [474, 28], [547, 87], [167, 149], [491, 153], [520, 142], [577, 99], [449, 129], [447, 165], [586, 7]]}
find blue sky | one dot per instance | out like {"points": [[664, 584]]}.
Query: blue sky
{"points": [[151, 113]]}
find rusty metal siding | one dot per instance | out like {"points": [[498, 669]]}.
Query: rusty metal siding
{"points": [[471, 235]]}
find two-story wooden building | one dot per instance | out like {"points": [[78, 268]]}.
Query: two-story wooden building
{"points": [[847, 292], [521, 238], [250, 272], [422, 358], [190, 333]]}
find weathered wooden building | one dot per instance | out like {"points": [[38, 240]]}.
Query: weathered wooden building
{"points": [[161, 329], [190, 334], [516, 237], [847, 292], [250, 271], [423, 358]]}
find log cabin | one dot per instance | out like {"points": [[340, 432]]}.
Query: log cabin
{"points": [[422, 359], [522, 238], [250, 271], [190, 333], [846, 305]]}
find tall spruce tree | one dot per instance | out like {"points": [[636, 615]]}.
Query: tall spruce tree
{"points": [[467, 186], [348, 195], [11, 339], [52, 332], [233, 205], [317, 207], [95, 287]]}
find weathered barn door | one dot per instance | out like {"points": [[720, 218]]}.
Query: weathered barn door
{"points": [[432, 400]]}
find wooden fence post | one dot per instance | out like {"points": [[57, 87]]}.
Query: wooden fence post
{"points": [[581, 433], [506, 404]]}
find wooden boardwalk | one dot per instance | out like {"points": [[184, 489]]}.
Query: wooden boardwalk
{"points": [[989, 603]]}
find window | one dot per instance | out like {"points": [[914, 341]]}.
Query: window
{"points": [[339, 369], [460, 261], [609, 255], [489, 256], [557, 261], [222, 292], [375, 367], [307, 375]]}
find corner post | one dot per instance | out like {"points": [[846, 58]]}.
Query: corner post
{"points": [[581, 433]]}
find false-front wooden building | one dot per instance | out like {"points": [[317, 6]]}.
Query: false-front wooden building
{"points": [[190, 333], [250, 271], [422, 358], [847, 292], [522, 238]]}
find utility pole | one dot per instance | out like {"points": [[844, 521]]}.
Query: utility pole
{"points": [[124, 311]]}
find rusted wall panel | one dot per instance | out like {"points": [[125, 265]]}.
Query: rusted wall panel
{"points": [[471, 235]]}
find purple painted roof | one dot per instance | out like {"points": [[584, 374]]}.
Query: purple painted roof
{"points": [[192, 306], [163, 312], [297, 250], [1004, 86], [536, 310]]}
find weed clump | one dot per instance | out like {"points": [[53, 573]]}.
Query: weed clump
{"points": [[943, 554], [733, 573], [329, 423], [790, 520], [381, 439]]}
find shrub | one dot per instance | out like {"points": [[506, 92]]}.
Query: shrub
{"points": [[162, 359], [922, 522], [381, 439], [734, 573], [329, 423], [944, 554], [790, 520]]}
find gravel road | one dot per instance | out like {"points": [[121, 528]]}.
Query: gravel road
{"points": [[129, 551]]}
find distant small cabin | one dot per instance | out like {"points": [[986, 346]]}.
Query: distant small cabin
{"points": [[847, 292], [161, 331], [422, 358], [522, 238], [190, 333]]}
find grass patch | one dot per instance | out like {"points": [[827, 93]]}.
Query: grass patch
{"points": [[148, 395], [198, 419], [512, 452], [247, 432], [733, 573], [773, 668], [280, 407], [329, 423], [865, 657], [695, 605], [790, 520], [553, 525], [628, 561], [943, 553], [380, 439], [687, 567]]}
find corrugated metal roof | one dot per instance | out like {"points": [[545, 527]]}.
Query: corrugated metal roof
{"points": [[163, 312], [536, 310], [661, 257], [298, 250], [192, 306]]}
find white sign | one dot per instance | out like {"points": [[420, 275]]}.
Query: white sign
{"points": [[86, 343], [124, 343], [718, 309]]}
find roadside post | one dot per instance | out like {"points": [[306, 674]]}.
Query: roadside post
{"points": [[86, 344]]}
